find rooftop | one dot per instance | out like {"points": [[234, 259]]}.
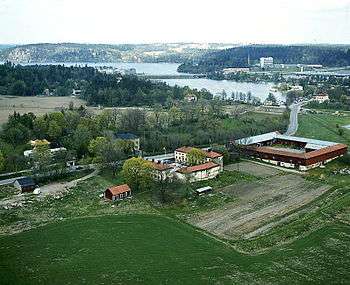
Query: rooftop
{"points": [[305, 155], [126, 136], [115, 190], [210, 154], [25, 181], [310, 143], [160, 166], [200, 167]]}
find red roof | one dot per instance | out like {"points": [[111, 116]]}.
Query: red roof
{"points": [[115, 190], [200, 167], [307, 155], [160, 166], [210, 154]]}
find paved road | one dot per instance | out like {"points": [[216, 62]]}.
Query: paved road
{"points": [[293, 119], [9, 181]]}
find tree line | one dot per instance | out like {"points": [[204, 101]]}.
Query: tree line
{"points": [[96, 88], [90, 138], [326, 55]]}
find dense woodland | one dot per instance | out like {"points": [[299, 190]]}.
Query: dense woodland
{"points": [[238, 57], [97, 88]]}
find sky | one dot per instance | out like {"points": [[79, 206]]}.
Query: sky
{"points": [[158, 21]]}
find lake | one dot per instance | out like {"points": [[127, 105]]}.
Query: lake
{"points": [[259, 90]]}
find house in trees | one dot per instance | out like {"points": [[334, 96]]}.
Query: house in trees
{"points": [[118, 192], [129, 137]]}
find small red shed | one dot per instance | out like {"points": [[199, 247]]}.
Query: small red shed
{"points": [[118, 192]]}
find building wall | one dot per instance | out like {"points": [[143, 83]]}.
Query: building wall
{"points": [[199, 175], [108, 195]]}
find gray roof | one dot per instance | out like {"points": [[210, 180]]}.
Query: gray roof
{"points": [[310, 143], [257, 139], [25, 181]]}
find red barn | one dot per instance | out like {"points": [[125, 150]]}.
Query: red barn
{"points": [[118, 192]]}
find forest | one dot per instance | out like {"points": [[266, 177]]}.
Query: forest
{"points": [[97, 88], [325, 55]]}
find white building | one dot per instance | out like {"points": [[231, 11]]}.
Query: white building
{"points": [[266, 62], [211, 156], [200, 172], [28, 153], [321, 97]]}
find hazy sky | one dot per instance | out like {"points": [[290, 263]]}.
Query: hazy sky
{"points": [[140, 21]]}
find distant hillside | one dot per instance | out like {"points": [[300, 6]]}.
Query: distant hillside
{"points": [[326, 55], [71, 52]]}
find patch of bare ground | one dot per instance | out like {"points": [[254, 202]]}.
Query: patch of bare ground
{"points": [[253, 169], [258, 206]]}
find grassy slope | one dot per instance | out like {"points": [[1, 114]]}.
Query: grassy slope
{"points": [[139, 249], [153, 249], [323, 126]]}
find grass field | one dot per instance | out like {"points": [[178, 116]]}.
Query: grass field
{"points": [[324, 127], [36, 105], [81, 239], [139, 249]]}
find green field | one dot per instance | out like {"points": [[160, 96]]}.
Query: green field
{"points": [[82, 239], [140, 249], [324, 127]]}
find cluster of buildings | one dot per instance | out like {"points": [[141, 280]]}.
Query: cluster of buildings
{"points": [[291, 152], [177, 167]]}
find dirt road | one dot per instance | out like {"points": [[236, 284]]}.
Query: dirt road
{"points": [[50, 189]]}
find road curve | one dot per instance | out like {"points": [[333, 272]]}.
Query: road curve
{"points": [[293, 119]]}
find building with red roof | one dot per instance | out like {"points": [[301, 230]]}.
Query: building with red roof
{"points": [[199, 172], [182, 152], [291, 152], [118, 192], [161, 171]]}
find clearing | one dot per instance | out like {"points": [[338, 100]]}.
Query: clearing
{"points": [[39, 105]]}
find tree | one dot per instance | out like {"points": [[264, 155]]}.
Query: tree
{"points": [[41, 160], [18, 88], [271, 98], [195, 156], [54, 131], [137, 173], [2, 161], [96, 145]]}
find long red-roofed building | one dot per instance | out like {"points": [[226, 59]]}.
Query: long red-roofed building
{"points": [[292, 152]]}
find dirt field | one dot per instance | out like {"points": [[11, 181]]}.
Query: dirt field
{"points": [[258, 206], [42, 105], [253, 169], [37, 105]]}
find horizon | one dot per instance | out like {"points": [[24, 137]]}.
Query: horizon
{"points": [[168, 43], [155, 21]]}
